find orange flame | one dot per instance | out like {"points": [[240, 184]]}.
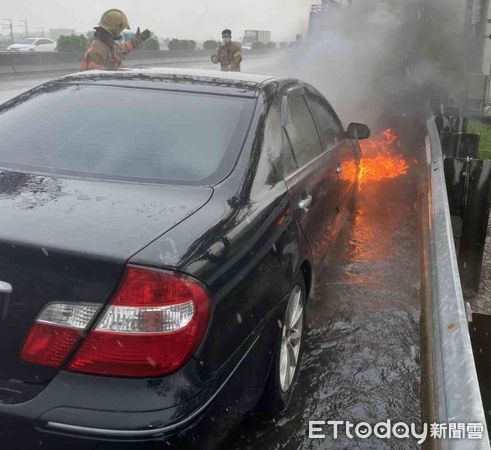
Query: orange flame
{"points": [[381, 158]]}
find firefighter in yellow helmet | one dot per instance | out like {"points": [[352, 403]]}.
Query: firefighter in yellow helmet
{"points": [[228, 54], [104, 51]]}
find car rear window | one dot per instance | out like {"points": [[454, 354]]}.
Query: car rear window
{"points": [[124, 133]]}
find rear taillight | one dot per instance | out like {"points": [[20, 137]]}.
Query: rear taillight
{"points": [[56, 331], [152, 326]]}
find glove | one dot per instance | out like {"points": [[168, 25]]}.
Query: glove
{"points": [[140, 37], [214, 59], [145, 35]]}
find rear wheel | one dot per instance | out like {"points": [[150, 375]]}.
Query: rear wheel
{"points": [[288, 353]]}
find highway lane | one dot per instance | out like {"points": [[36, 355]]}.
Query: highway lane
{"points": [[361, 359], [12, 85]]}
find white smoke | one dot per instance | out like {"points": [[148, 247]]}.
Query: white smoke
{"points": [[379, 55]]}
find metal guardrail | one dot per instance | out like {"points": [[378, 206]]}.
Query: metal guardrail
{"points": [[457, 398]]}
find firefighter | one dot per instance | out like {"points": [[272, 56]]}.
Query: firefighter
{"points": [[227, 54], [104, 52]]}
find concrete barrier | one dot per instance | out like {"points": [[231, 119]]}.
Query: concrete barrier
{"points": [[38, 62], [23, 63], [6, 64]]}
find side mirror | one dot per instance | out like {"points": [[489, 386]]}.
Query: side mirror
{"points": [[358, 131]]}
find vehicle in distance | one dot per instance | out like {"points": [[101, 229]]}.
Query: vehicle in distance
{"points": [[252, 36], [33, 45], [161, 231]]}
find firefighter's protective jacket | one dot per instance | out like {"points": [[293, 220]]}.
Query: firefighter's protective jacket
{"points": [[105, 54], [229, 56]]}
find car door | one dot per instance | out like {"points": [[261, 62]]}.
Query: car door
{"points": [[36, 46], [345, 155], [50, 45], [312, 194], [43, 45]]}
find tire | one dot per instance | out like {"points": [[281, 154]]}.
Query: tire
{"points": [[280, 384]]}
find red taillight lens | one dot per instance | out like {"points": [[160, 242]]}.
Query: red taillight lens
{"points": [[154, 324], [56, 331], [49, 345]]}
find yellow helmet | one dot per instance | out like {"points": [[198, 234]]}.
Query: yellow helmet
{"points": [[114, 21]]}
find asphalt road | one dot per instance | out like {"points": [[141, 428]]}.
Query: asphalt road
{"points": [[12, 85], [361, 361]]}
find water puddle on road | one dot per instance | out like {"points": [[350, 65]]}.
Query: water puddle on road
{"points": [[361, 360]]}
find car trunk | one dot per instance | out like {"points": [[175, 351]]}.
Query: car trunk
{"points": [[68, 240]]}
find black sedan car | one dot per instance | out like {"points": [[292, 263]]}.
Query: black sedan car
{"points": [[160, 234]]}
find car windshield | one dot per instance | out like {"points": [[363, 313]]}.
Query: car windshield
{"points": [[28, 41], [124, 133]]}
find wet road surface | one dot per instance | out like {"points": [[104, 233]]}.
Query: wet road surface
{"points": [[361, 360], [12, 85]]}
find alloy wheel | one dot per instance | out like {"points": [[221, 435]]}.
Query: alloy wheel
{"points": [[291, 338]]}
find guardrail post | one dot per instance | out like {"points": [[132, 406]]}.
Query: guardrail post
{"points": [[475, 223], [468, 182]]}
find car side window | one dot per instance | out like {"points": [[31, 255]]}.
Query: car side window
{"points": [[329, 127], [301, 130], [269, 164], [288, 162]]}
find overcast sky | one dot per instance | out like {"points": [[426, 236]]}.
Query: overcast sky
{"points": [[195, 19]]}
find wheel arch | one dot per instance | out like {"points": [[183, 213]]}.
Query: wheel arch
{"points": [[306, 271]]}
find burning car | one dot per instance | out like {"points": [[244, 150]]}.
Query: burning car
{"points": [[159, 249]]}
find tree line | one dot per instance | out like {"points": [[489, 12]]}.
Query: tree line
{"points": [[80, 43]]}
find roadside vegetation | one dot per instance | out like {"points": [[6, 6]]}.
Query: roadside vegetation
{"points": [[80, 43], [72, 43], [182, 44], [483, 129]]}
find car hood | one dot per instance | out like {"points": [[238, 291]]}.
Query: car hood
{"points": [[111, 219]]}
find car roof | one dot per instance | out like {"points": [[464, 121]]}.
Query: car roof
{"points": [[234, 83], [178, 71]]}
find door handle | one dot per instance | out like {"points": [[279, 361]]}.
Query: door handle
{"points": [[339, 169], [305, 203]]}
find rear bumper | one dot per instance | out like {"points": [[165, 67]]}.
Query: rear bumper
{"points": [[154, 432], [69, 427]]}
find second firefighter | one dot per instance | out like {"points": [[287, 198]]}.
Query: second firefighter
{"points": [[228, 54]]}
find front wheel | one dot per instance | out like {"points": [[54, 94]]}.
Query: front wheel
{"points": [[288, 353]]}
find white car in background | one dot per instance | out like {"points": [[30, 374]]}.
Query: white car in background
{"points": [[33, 45]]}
